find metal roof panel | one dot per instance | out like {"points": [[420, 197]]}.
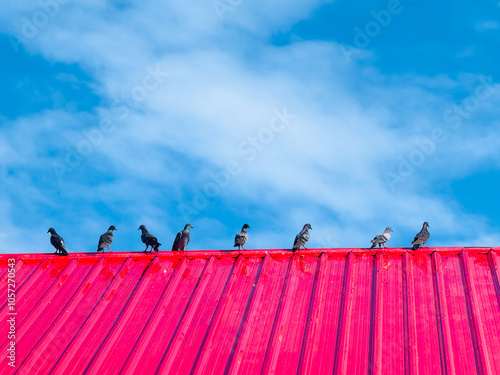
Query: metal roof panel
{"points": [[343, 311]]}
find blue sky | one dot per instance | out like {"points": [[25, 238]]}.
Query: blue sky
{"points": [[351, 117]]}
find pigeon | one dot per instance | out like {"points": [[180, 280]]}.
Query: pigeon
{"points": [[241, 238], [57, 241], [382, 238], [149, 240], [421, 237], [106, 239], [302, 238], [182, 238]]}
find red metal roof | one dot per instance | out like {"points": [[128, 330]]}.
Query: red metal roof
{"points": [[342, 311]]}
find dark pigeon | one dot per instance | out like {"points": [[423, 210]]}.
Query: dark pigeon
{"points": [[421, 237], [149, 240], [302, 238], [57, 241], [241, 238], [182, 238], [382, 238], [106, 239]]}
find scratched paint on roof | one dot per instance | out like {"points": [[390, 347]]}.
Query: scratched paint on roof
{"points": [[342, 311]]}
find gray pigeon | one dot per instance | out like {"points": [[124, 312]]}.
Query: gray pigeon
{"points": [[382, 238], [106, 239], [241, 238], [302, 238], [57, 241], [421, 237], [149, 240], [182, 238]]}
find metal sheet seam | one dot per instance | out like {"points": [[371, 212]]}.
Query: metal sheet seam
{"points": [[411, 352], [311, 336], [375, 352], [64, 314], [187, 316], [249, 322], [203, 357], [94, 313], [282, 313], [480, 347], [442, 310], [142, 341], [102, 353], [341, 352]]}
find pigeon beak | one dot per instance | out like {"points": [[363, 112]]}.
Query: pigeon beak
{"points": [[48, 231]]}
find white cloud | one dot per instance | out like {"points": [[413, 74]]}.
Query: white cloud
{"points": [[224, 83]]}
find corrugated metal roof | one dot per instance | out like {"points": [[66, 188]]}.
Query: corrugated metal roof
{"points": [[342, 311]]}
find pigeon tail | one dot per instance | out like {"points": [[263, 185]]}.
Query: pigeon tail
{"points": [[373, 245]]}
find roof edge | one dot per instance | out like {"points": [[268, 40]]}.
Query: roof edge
{"points": [[247, 253]]}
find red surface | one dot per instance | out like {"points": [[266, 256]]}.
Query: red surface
{"points": [[341, 311]]}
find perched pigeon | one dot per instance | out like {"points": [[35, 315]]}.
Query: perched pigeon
{"points": [[421, 237], [57, 241], [302, 238], [106, 239], [382, 238], [149, 240], [182, 238], [241, 238]]}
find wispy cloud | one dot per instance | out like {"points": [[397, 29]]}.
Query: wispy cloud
{"points": [[217, 86]]}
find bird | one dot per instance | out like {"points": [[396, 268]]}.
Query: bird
{"points": [[302, 238], [182, 238], [148, 239], [382, 238], [421, 237], [241, 238], [106, 239], [57, 241]]}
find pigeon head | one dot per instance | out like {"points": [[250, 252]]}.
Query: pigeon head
{"points": [[388, 229], [188, 226], [112, 228], [307, 226], [142, 227], [51, 230], [245, 226], [426, 224]]}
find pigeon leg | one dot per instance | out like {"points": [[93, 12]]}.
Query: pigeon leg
{"points": [[305, 248], [109, 249]]}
